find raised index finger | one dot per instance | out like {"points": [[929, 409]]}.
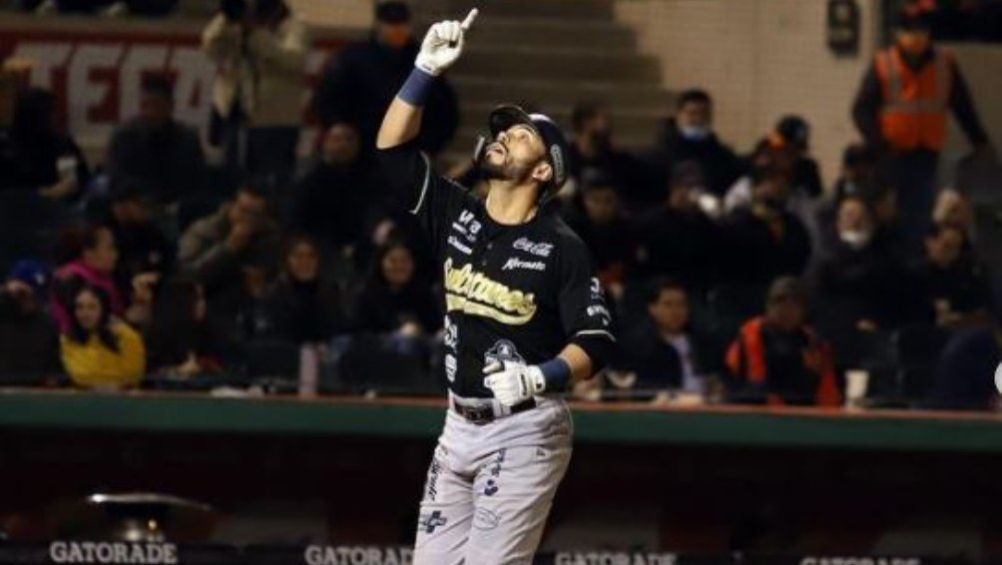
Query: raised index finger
{"points": [[469, 19]]}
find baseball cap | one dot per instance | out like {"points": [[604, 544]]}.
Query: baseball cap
{"points": [[914, 16], [794, 130], [504, 117], [785, 288], [393, 12], [32, 273]]}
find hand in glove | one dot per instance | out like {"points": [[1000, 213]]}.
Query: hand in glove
{"points": [[513, 383], [443, 44]]}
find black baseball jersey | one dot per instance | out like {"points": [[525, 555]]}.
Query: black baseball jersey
{"points": [[520, 292]]}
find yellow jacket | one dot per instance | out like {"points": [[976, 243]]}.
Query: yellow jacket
{"points": [[92, 364]]}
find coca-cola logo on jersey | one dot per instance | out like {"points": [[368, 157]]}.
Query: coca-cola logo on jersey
{"points": [[538, 249]]}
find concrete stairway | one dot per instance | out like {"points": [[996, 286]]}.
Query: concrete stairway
{"points": [[551, 54], [548, 54]]}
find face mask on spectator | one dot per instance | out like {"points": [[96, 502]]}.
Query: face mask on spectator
{"points": [[695, 133], [397, 36], [710, 205], [856, 239]]}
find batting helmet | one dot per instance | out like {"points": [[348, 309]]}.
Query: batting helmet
{"points": [[554, 142]]}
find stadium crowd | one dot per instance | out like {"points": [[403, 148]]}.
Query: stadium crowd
{"points": [[736, 277]]}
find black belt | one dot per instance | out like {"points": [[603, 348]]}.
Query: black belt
{"points": [[484, 414]]}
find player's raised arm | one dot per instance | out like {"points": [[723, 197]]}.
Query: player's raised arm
{"points": [[441, 47]]}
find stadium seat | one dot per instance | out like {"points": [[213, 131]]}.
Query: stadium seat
{"points": [[918, 348], [739, 301], [730, 305], [29, 225], [370, 363], [877, 356], [272, 358]]}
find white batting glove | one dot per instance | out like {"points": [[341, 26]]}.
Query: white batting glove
{"points": [[443, 44], [514, 383]]}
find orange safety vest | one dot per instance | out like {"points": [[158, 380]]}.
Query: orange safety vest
{"points": [[915, 103], [746, 360]]}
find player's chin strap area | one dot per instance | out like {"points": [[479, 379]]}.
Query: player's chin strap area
{"points": [[546, 192]]}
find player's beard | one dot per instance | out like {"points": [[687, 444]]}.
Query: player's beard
{"points": [[508, 170]]}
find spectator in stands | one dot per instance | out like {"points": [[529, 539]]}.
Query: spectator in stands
{"points": [[778, 358], [603, 228], [240, 310], [785, 153], [763, 158], [901, 110], [690, 137], [335, 198], [859, 170], [394, 224], [965, 374], [217, 249], [855, 227], [593, 148], [952, 283], [791, 138], [861, 284], [662, 352], [153, 152], [92, 256], [48, 161], [785, 150], [142, 246], [181, 339], [954, 208], [856, 178], [393, 300], [302, 305], [29, 341], [260, 52], [883, 201], [145, 254], [678, 239], [361, 81], [764, 241], [97, 350]]}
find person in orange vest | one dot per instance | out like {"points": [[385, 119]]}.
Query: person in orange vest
{"points": [[901, 111], [777, 358]]}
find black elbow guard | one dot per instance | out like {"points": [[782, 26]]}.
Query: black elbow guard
{"points": [[601, 348]]}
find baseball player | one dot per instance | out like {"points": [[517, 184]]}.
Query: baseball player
{"points": [[525, 319]]}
